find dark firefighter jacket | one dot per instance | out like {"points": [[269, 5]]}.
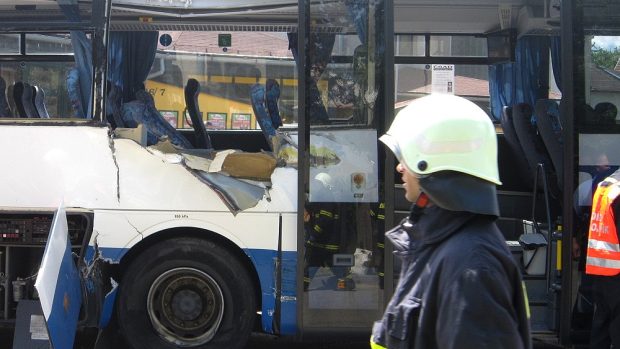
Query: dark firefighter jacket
{"points": [[323, 229], [459, 286]]}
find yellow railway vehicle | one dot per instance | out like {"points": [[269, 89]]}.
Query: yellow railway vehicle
{"points": [[217, 112]]}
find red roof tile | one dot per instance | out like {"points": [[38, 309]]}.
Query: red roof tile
{"points": [[243, 43], [463, 86]]}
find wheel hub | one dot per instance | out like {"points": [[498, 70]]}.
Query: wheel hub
{"points": [[185, 306]]}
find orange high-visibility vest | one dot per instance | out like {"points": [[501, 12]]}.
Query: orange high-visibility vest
{"points": [[603, 256]]}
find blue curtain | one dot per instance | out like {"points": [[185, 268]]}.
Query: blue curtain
{"points": [[524, 81], [556, 51], [83, 55], [358, 12], [130, 57], [532, 69], [501, 87], [319, 48]]}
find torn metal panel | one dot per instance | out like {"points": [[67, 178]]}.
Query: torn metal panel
{"points": [[163, 178], [237, 177], [153, 180], [98, 289], [197, 162], [236, 194]]}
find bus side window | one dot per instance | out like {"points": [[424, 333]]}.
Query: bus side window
{"points": [[173, 76], [243, 78]]}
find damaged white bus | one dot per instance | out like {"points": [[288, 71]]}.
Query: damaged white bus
{"points": [[219, 167], [190, 235]]}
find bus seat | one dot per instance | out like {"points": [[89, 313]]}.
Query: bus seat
{"points": [[257, 95], [28, 101], [582, 196], [11, 100], [606, 113], [192, 90], [73, 90], [550, 130], [533, 146], [589, 116], [18, 91], [132, 114], [515, 147], [114, 101], [272, 95], [5, 112], [39, 103], [156, 124]]}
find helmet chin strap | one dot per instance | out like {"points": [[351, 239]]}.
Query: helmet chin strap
{"points": [[418, 207]]}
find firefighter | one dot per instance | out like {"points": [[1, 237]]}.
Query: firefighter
{"points": [[459, 285], [323, 239], [377, 218], [603, 263]]}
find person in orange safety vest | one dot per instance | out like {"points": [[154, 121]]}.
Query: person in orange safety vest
{"points": [[603, 263]]}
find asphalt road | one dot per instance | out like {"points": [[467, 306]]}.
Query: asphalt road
{"points": [[260, 341], [257, 341]]}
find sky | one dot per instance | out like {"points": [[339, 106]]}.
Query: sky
{"points": [[607, 42]]}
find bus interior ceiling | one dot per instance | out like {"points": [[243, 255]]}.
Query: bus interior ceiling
{"points": [[417, 16]]}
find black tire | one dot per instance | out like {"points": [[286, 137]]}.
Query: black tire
{"points": [[163, 292]]}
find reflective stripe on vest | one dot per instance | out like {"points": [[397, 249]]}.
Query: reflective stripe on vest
{"points": [[374, 345], [329, 247], [326, 213], [603, 254]]}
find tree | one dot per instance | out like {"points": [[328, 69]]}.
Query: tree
{"points": [[605, 58]]}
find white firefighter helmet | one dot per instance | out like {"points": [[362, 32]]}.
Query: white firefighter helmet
{"points": [[321, 188], [325, 179], [442, 132], [450, 144]]}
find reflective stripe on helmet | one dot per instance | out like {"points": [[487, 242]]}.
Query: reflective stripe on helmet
{"points": [[441, 132]]}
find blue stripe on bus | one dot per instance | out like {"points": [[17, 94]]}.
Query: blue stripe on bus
{"points": [[264, 261], [110, 253], [108, 308], [288, 319]]}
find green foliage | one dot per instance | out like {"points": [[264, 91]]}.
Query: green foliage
{"points": [[605, 58]]}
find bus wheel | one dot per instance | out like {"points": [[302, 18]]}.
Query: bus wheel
{"points": [[186, 293]]}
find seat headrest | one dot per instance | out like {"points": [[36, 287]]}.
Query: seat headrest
{"points": [[606, 112], [523, 108], [192, 86], [507, 111]]}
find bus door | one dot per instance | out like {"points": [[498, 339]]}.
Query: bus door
{"points": [[591, 87], [342, 102], [504, 66]]}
